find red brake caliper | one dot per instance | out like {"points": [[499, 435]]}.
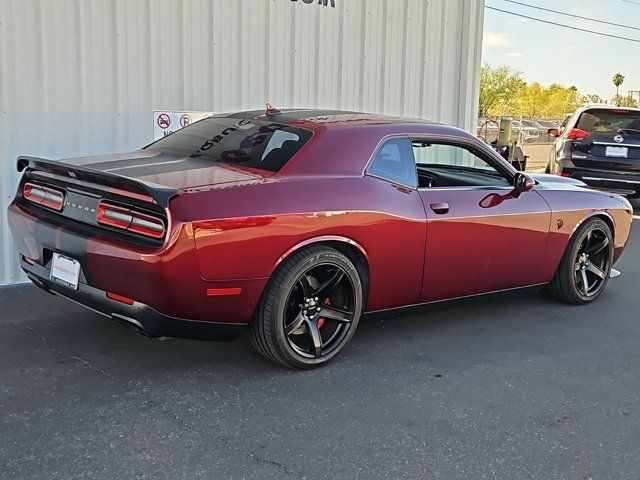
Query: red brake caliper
{"points": [[321, 320]]}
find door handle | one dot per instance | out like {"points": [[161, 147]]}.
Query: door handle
{"points": [[440, 208]]}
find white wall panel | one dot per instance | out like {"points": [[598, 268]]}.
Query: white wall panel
{"points": [[80, 77]]}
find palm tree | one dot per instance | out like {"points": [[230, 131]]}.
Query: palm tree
{"points": [[618, 79]]}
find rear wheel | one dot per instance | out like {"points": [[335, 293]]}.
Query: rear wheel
{"points": [[310, 308], [586, 265]]}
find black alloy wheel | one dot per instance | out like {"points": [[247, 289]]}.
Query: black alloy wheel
{"points": [[320, 310], [586, 265], [592, 262], [310, 309]]}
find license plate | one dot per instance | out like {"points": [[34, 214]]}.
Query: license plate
{"points": [[65, 270], [620, 152]]}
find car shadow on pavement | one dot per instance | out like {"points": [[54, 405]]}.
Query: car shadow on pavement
{"points": [[34, 320]]}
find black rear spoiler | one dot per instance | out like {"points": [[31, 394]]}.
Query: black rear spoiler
{"points": [[159, 193]]}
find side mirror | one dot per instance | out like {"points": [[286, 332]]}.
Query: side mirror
{"points": [[522, 183], [554, 132]]}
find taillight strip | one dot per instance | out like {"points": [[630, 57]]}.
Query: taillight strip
{"points": [[130, 220], [44, 196]]}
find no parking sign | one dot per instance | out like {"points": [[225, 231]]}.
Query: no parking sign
{"points": [[166, 122]]}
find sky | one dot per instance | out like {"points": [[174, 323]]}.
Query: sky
{"points": [[550, 54]]}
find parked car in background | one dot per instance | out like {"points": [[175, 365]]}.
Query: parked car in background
{"points": [[599, 145], [528, 134], [543, 135], [549, 124]]}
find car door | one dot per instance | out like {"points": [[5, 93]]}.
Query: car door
{"points": [[481, 237]]}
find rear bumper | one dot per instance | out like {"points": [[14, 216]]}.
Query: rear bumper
{"points": [[166, 279], [609, 182], [139, 316], [618, 181]]}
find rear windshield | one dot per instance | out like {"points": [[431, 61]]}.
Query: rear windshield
{"points": [[609, 121], [252, 143]]}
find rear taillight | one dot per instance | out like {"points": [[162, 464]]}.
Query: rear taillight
{"points": [[130, 220], [564, 174], [577, 134], [44, 196]]}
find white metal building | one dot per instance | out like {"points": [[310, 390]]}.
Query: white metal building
{"points": [[81, 77]]}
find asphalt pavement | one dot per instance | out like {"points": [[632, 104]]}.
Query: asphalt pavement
{"points": [[519, 387]]}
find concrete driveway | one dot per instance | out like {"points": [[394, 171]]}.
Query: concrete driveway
{"points": [[538, 156], [514, 388]]}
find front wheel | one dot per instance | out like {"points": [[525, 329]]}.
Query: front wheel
{"points": [[586, 265], [309, 310]]}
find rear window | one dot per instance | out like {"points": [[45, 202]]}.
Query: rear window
{"points": [[252, 143], [609, 121]]}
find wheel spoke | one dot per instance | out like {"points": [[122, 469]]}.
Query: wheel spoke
{"points": [[324, 289], [316, 338], [598, 247], [585, 282], [306, 288], [597, 271], [293, 326], [336, 314]]}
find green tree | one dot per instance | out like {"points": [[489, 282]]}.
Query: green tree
{"points": [[623, 101], [498, 86], [618, 79], [592, 98]]}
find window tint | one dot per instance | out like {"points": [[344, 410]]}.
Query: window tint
{"points": [[609, 121], [442, 165], [264, 145], [394, 162]]}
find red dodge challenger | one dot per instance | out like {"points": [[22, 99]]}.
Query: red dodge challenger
{"points": [[295, 223]]}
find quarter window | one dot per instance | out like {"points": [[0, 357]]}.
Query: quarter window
{"points": [[394, 162]]}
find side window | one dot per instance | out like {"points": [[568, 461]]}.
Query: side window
{"points": [[394, 162], [443, 165]]}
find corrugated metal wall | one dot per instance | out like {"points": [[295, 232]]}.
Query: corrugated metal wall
{"points": [[82, 77]]}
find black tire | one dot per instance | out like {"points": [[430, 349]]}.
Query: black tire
{"points": [[634, 195], [309, 310], [586, 265]]}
